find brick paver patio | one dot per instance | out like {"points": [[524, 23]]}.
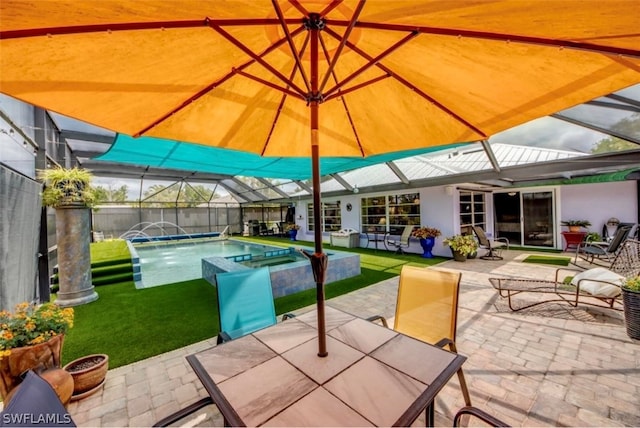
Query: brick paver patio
{"points": [[551, 365]]}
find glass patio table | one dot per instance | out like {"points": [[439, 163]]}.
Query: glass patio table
{"points": [[373, 376]]}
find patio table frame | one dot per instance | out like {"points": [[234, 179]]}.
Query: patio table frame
{"points": [[344, 330]]}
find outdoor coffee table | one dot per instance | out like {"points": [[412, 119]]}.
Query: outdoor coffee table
{"points": [[372, 375]]}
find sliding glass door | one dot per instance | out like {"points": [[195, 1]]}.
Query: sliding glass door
{"points": [[526, 218], [537, 209]]}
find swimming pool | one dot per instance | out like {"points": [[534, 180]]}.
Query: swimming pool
{"points": [[163, 263]]}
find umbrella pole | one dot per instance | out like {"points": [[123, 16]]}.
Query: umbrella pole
{"points": [[319, 261]]}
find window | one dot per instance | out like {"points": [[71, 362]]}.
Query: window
{"points": [[472, 211], [374, 212], [331, 217], [391, 212]]}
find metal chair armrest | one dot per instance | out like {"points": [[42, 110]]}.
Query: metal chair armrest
{"points": [[505, 240], [223, 336], [481, 414], [379, 318], [565, 270]]}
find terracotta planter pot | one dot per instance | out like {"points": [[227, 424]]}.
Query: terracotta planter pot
{"points": [[88, 373], [60, 380], [37, 357]]}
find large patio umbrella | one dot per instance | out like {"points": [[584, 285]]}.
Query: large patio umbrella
{"points": [[315, 78]]}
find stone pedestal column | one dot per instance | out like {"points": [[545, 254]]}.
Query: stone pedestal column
{"points": [[74, 258]]}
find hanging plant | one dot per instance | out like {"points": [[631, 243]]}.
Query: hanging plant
{"points": [[65, 186]]}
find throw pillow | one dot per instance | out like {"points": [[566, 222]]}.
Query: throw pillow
{"points": [[591, 282]]}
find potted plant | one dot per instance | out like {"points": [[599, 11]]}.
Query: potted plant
{"points": [[292, 230], [69, 191], [31, 338], [575, 225], [427, 236], [89, 373], [631, 304], [593, 237], [461, 246], [67, 186]]}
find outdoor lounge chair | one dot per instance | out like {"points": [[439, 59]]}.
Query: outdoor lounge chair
{"points": [[400, 243], [427, 309], [493, 247], [602, 253], [598, 286]]}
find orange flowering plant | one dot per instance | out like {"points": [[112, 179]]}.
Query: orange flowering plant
{"points": [[426, 232], [32, 324]]}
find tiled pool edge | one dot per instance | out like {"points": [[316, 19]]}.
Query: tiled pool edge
{"points": [[135, 261], [289, 278]]}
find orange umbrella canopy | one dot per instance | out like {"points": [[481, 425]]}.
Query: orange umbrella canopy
{"points": [[392, 75], [316, 78]]}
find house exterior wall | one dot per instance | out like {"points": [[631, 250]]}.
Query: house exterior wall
{"points": [[440, 208], [597, 202]]}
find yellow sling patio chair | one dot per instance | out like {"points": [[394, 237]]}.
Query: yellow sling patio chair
{"points": [[427, 309]]}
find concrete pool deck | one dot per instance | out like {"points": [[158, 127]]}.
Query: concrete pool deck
{"points": [[552, 365]]}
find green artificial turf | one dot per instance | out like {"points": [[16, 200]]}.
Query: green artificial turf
{"points": [[109, 251], [130, 324], [548, 260]]}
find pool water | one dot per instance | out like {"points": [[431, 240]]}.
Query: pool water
{"points": [[166, 263], [272, 261]]}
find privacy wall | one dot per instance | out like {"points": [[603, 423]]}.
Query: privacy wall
{"points": [[19, 232]]}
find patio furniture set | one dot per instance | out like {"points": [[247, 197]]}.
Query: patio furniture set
{"points": [[269, 373]]}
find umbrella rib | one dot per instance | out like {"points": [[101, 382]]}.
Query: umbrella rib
{"points": [[128, 26], [215, 84], [301, 9], [372, 61], [510, 38], [343, 92], [294, 51], [282, 100], [345, 37], [407, 84], [344, 101], [267, 83], [256, 57]]}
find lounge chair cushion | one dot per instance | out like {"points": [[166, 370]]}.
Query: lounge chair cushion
{"points": [[595, 287]]}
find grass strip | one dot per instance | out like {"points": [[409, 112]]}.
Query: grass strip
{"points": [[549, 260]]}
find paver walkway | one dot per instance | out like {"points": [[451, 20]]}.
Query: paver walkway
{"points": [[552, 365]]}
